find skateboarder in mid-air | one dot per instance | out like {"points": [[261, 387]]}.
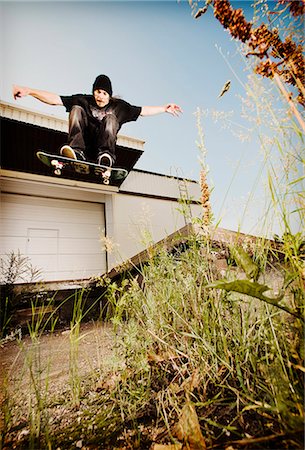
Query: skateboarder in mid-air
{"points": [[94, 120]]}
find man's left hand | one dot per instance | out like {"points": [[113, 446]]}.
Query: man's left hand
{"points": [[173, 109]]}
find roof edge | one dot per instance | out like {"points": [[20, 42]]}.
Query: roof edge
{"points": [[41, 119]]}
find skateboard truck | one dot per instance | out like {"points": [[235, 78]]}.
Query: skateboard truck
{"points": [[58, 165], [105, 174]]}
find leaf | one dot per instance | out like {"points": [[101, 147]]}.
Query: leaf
{"points": [[200, 12], [188, 429], [225, 88], [244, 261], [272, 189], [254, 290], [246, 287], [297, 180]]}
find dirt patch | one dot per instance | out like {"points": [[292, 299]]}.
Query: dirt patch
{"points": [[94, 352]]}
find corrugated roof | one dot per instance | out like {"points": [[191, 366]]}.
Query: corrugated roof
{"points": [[40, 119]]}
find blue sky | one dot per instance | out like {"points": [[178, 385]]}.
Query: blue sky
{"points": [[154, 52]]}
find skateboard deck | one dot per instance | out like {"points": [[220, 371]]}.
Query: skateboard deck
{"points": [[61, 163]]}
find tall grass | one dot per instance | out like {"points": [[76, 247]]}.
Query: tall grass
{"points": [[242, 355], [74, 338]]}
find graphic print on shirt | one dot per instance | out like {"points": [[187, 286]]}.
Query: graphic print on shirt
{"points": [[98, 113]]}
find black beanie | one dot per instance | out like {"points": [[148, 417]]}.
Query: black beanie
{"points": [[104, 83]]}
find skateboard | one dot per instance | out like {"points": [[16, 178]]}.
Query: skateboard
{"points": [[61, 163]]}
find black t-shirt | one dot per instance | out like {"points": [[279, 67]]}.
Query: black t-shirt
{"points": [[123, 111]]}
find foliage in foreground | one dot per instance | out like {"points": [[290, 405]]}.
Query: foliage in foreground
{"points": [[198, 367], [235, 359]]}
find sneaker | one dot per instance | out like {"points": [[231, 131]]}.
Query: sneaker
{"points": [[104, 159], [68, 152]]}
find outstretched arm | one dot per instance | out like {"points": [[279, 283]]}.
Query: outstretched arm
{"points": [[43, 96], [170, 108]]}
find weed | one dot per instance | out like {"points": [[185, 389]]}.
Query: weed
{"points": [[14, 268]]}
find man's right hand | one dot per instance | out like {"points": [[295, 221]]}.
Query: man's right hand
{"points": [[44, 96], [20, 91]]}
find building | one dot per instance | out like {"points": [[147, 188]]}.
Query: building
{"points": [[73, 227]]}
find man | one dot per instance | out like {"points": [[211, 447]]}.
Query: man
{"points": [[94, 120]]}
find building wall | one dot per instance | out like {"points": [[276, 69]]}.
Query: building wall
{"points": [[147, 209], [149, 183], [140, 221]]}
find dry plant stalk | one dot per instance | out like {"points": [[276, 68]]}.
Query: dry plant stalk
{"points": [[289, 101], [205, 198], [204, 187]]}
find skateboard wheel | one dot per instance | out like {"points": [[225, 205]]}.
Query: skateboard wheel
{"points": [[57, 172], [106, 181]]}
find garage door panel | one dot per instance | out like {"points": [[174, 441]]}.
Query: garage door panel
{"points": [[80, 262], [83, 211], [83, 246], [78, 275], [11, 227], [39, 262], [54, 215], [81, 230], [64, 216], [42, 246], [61, 237], [15, 227], [17, 244]]}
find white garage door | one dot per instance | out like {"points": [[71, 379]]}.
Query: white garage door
{"points": [[60, 237]]}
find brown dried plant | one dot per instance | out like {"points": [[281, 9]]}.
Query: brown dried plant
{"points": [[205, 198], [282, 60]]}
